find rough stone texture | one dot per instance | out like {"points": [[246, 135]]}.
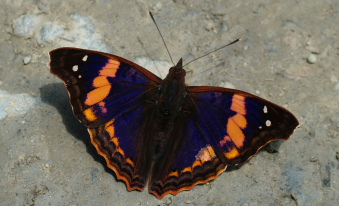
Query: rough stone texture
{"points": [[46, 157]]}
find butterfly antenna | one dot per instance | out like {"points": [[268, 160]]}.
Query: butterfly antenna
{"points": [[150, 13], [233, 42]]}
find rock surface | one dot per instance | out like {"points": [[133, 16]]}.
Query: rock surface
{"points": [[46, 157]]}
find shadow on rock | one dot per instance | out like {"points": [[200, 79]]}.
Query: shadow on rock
{"points": [[57, 96]]}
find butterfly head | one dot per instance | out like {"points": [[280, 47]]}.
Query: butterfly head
{"points": [[177, 72]]}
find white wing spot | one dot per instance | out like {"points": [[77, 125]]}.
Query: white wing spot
{"points": [[75, 68], [268, 123], [79, 76], [265, 109], [85, 58], [260, 127]]}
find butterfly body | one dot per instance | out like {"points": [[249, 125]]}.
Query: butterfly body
{"points": [[162, 133], [167, 106]]}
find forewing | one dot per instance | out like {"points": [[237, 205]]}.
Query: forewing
{"points": [[101, 85]]}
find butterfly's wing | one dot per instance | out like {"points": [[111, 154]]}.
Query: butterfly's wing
{"points": [[108, 95], [225, 127], [99, 82]]}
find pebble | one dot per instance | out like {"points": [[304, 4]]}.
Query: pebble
{"points": [[157, 7], [227, 85], [312, 58], [50, 31], [334, 79], [87, 36], [25, 25], [81, 32], [15, 104], [209, 25], [27, 60], [313, 159], [94, 173], [69, 37], [224, 26], [336, 86]]}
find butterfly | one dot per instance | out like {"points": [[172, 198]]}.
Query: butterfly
{"points": [[162, 133]]}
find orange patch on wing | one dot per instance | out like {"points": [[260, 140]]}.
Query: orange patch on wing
{"points": [[232, 154], [97, 95], [196, 163], [112, 65], [113, 61], [225, 140], [187, 169], [119, 150], [102, 107], [90, 115], [100, 81], [108, 72], [129, 161], [176, 174], [222, 142], [111, 131], [110, 69], [238, 104], [206, 154], [109, 123], [115, 141], [240, 120], [235, 133]]}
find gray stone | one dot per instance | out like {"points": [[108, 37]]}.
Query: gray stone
{"points": [[50, 31], [26, 25]]}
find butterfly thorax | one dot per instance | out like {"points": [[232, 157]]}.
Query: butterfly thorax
{"points": [[172, 92]]}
